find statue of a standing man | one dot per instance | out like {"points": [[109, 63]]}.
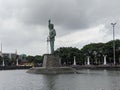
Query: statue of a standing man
{"points": [[52, 34]]}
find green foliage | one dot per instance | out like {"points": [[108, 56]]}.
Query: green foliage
{"points": [[109, 50], [102, 49], [94, 50], [0, 60], [67, 54], [30, 59], [38, 59], [34, 59]]}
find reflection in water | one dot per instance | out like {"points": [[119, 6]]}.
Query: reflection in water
{"points": [[59, 82], [114, 80], [49, 82], [87, 80]]}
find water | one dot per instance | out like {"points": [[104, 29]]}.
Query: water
{"points": [[87, 80]]}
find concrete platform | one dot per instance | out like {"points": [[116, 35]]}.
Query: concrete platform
{"points": [[52, 70], [52, 65]]}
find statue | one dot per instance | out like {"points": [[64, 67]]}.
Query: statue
{"points": [[51, 63], [52, 34]]}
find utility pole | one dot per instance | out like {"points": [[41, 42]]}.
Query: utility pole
{"points": [[1, 54], [48, 44], [16, 58], [113, 24]]}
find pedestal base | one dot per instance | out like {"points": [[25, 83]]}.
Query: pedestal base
{"points": [[51, 65], [52, 70], [51, 60]]}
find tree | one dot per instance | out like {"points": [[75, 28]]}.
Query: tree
{"points": [[6, 60], [67, 55], [109, 50], [94, 50], [101, 49], [36, 60], [30, 59], [0, 60]]}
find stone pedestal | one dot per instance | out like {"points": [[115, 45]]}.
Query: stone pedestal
{"points": [[74, 61], [3, 63], [88, 60], [52, 65], [51, 60], [105, 62]]}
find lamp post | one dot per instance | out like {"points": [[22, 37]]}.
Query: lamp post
{"points": [[113, 24]]}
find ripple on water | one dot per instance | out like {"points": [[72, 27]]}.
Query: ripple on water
{"points": [[87, 80]]}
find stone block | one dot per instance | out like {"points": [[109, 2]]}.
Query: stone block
{"points": [[51, 60]]}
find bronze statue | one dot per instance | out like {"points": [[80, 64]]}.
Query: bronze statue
{"points": [[52, 34]]}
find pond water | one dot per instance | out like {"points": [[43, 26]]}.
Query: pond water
{"points": [[87, 80]]}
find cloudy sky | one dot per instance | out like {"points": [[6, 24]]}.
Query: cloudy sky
{"points": [[24, 23]]}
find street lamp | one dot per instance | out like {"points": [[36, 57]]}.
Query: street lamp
{"points": [[113, 24]]}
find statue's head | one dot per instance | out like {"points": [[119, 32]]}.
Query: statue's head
{"points": [[49, 20]]}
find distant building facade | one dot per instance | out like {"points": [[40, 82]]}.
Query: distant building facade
{"points": [[10, 55], [13, 58]]}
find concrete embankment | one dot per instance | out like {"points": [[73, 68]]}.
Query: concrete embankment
{"points": [[14, 67], [78, 67], [52, 70]]}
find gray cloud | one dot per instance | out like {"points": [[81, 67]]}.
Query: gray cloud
{"points": [[23, 23], [70, 14]]}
